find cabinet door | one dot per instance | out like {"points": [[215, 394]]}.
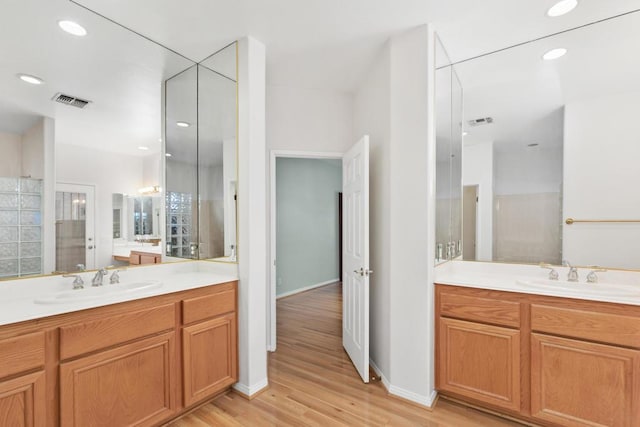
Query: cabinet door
{"points": [[209, 357], [22, 401], [480, 361], [575, 383], [131, 385]]}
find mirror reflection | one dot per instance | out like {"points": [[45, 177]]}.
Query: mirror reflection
{"points": [[201, 176], [550, 152], [79, 121], [137, 228]]}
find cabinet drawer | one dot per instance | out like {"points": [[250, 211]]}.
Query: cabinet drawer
{"points": [[586, 324], [487, 310], [97, 334], [206, 307], [21, 353]]}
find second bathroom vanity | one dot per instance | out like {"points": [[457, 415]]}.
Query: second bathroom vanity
{"points": [[537, 350]]}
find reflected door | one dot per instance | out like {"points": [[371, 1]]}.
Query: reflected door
{"points": [[75, 240]]}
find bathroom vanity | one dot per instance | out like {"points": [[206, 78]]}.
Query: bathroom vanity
{"points": [[139, 362], [546, 359]]}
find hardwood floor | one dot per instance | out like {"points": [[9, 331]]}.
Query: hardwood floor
{"points": [[313, 383]]}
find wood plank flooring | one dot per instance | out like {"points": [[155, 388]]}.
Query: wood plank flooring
{"points": [[313, 383]]}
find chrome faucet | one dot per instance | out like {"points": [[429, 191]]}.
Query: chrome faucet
{"points": [[97, 279], [592, 277], [115, 276], [78, 283], [553, 274], [572, 276]]}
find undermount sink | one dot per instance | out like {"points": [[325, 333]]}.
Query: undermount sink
{"points": [[92, 293], [582, 288]]}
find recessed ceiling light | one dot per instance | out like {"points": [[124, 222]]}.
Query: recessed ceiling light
{"points": [[465, 133], [183, 124], [554, 54], [143, 148], [562, 7], [30, 79], [72, 28], [168, 154]]}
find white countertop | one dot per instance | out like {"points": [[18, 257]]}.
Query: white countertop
{"points": [[18, 298], [613, 286]]}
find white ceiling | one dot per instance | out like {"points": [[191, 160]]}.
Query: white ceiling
{"points": [[328, 44], [313, 44]]}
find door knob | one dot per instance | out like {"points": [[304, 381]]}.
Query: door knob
{"points": [[362, 272]]}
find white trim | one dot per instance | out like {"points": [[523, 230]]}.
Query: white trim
{"points": [[253, 389], [385, 381], [426, 401], [307, 288], [271, 306]]}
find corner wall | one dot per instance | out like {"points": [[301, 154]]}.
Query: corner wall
{"points": [[252, 223], [395, 106]]}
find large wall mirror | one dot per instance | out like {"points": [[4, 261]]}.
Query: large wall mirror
{"points": [[550, 149], [63, 159], [201, 160]]}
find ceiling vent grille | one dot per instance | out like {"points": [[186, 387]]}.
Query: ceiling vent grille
{"points": [[481, 121], [70, 100]]}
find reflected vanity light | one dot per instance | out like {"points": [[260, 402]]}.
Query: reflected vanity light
{"points": [[562, 7], [168, 155], [150, 190], [183, 124], [72, 28], [554, 54], [30, 79]]}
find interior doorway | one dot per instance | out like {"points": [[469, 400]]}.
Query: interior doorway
{"points": [[288, 216], [469, 222]]}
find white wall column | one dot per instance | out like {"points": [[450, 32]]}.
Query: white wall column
{"points": [[412, 198], [252, 230]]}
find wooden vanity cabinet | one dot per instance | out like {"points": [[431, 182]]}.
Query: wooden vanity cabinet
{"points": [[577, 362], [478, 349], [138, 363], [22, 380]]}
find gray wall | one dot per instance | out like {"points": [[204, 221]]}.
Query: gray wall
{"points": [[307, 222]]}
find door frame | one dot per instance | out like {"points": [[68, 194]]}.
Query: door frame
{"points": [[271, 306], [91, 224]]}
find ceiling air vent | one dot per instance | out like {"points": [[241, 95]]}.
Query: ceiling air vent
{"points": [[70, 100], [481, 121]]}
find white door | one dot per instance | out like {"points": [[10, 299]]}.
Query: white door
{"points": [[75, 230], [355, 253]]}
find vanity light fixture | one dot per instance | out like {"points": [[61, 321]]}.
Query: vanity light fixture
{"points": [[30, 79], [554, 54], [143, 148], [562, 7], [72, 28], [150, 190], [183, 124]]}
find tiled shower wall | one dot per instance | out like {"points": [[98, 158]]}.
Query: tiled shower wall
{"points": [[20, 227]]}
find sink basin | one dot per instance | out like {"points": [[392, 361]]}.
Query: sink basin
{"points": [[582, 288], [90, 293]]}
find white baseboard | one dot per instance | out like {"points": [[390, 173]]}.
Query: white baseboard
{"points": [[249, 391], [426, 401], [404, 394], [385, 381], [306, 288]]}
